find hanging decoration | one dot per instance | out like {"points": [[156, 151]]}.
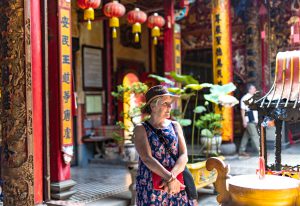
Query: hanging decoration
{"points": [[155, 22], [184, 9], [136, 17], [88, 6], [114, 10]]}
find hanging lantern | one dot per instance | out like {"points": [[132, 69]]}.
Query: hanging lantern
{"points": [[155, 22], [136, 17], [114, 10], [88, 6]]}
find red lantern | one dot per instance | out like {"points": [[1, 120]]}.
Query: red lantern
{"points": [[88, 6], [114, 10], [155, 22], [136, 17]]}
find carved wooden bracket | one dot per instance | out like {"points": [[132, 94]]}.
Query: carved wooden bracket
{"points": [[220, 184]]}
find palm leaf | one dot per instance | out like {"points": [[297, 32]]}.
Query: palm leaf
{"points": [[223, 89], [162, 79], [206, 133], [184, 122], [175, 90], [199, 109], [195, 87], [184, 79]]}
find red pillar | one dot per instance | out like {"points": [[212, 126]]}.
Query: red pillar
{"points": [[59, 171], [169, 36], [37, 90], [108, 72]]}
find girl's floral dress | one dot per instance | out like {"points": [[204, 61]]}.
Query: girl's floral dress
{"points": [[145, 193]]}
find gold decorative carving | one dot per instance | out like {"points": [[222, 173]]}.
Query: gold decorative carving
{"points": [[28, 168], [220, 184], [27, 31], [16, 191], [28, 76], [253, 46], [16, 108], [15, 153]]}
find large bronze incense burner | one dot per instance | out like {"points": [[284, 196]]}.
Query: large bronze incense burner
{"points": [[251, 190], [280, 104]]}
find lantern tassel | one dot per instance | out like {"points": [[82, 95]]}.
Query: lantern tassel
{"points": [[155, 40], [89, 25], [155, 32], [136, 28], [114, 33], [114, 22], [89, 14], [136, 37]]}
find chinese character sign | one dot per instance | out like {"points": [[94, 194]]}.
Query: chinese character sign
{"points": [[177, 49], [222, 59], [65, 74]]}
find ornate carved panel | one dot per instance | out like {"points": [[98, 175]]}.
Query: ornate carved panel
{"points": [[253, 47], [16, 103]]}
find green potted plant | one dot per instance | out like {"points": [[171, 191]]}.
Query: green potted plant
{"points": [[209, 126], [128, 95], [131, 114]]}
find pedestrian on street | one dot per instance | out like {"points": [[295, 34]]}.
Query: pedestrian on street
{"points": [[250, 120], [157, 142]]}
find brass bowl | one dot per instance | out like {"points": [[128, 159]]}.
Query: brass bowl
{"points": [[249, 190]]}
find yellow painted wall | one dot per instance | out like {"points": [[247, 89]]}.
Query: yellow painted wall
{"points": [[129, 53], [95, 38]]}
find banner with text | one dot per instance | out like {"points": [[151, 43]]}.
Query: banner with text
{"points": [[65, 41], [222, 58]]}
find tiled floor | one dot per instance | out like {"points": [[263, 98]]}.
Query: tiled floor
{"points": [[102, 173], [98, 181], [206, 198], [248, 165]]}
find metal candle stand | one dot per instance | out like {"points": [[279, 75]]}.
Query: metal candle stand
{"points": [[281, 103]]}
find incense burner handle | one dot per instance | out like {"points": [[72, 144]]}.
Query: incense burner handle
{"points": [[220, 184]]}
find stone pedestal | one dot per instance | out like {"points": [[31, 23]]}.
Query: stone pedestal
{"points": [[62, 190], [131, 157], [133, 167]]}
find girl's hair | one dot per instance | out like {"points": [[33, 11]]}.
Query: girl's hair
{"points": [[155, 102]]}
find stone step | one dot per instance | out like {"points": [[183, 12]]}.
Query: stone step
{"points": [[63, 195], [122, 199], [62, 186], [64, 203]]}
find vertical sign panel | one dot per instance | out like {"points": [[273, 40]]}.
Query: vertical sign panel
{"points": [[177, 48], [177, 54], [222, 58], [65, 46]]}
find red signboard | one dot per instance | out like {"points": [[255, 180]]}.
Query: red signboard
{"points": [[65, 45]]}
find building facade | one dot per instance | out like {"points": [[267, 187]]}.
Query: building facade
{"points": [[57, 76]]}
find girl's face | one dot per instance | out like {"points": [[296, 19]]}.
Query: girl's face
{"points": [[162, 107]]}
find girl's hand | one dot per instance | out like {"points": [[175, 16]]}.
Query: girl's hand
{"points": [[175, 186], [164, 186]]}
